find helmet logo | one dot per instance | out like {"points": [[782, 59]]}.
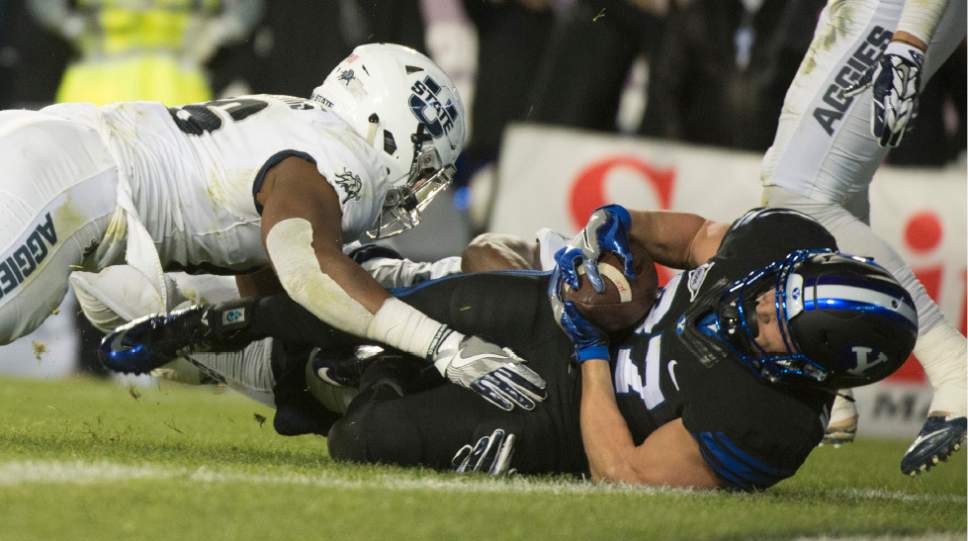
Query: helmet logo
{"points": [[795, 294], [353, 83], [426, 104], [346, 76], [863, 360]]}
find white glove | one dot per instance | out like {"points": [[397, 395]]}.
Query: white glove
{"points": [[895, 82], [491, 454], [493, 372]]}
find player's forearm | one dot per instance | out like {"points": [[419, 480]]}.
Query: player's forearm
{"points": [[353, 279], [673, 239], [919, 20], [339, 292], [324, 284], [393, 322], [608, 442]]}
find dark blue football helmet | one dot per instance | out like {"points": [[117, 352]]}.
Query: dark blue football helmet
{"points": [[845, 320]]}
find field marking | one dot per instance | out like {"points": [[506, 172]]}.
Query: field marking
{"points": [[14, 473], [919, 537]]}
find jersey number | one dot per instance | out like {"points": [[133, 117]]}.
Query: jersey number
{"points": [[642, 378], [200, 118]]}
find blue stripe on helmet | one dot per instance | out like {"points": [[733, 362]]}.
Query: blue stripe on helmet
{"points": [[884, 287], [855, 306]]}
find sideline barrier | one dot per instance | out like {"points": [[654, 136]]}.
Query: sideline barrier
{"points": [[554, 177]]}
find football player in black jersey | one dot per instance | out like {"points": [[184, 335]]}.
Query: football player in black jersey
{"points": [[727, 382]]}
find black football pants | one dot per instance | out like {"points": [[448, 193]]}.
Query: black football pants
{"points": [[426, 427]]}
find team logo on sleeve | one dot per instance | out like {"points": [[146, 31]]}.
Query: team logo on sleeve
{"points": [[351, 185], [696, 277]]}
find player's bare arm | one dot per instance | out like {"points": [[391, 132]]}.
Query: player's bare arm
{"points": [[668, 457], [301, 231], [259, 283], [679, 240]]}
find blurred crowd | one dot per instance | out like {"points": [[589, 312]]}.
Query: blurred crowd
{"points": [[710, 72]]}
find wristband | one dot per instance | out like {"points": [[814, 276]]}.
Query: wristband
{"points": [[599, 352]]}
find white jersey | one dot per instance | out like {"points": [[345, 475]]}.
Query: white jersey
{"points": [[193, 171]]}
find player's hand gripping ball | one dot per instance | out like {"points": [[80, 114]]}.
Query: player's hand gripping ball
{"points": [[625, 301]]}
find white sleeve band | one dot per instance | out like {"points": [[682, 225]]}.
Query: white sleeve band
{"points": [[392, 273], [404, 327], [549, 242], [290, 247], [920, 18]]}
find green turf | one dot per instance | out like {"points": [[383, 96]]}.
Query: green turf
{"points": [[216, 471]]}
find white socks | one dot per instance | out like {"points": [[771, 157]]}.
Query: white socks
{"points": [[942, 352]]}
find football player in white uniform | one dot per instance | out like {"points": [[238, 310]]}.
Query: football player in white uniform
{"points": [[832, 136], [237, 185]]}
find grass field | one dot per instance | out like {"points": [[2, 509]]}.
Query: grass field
{"points": [[83, 460]]}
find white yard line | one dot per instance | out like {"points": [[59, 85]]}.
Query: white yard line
{"points": [[27, 472], [920, 537]]}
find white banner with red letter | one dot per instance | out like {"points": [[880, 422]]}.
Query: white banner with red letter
{"points": [[551, 177]]}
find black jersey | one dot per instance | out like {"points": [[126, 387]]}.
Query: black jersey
{"points": [[751, 432]]}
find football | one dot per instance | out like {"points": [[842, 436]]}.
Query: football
{"points": [[624, 301]]}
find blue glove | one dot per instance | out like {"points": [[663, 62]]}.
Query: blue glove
{"points": [[606, 230], [895, 82], [590, 341]]}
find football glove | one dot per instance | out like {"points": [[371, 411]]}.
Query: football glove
{"points": [[495, 373], [606, 230], [491, 454], [590, 342], [895, 81]]}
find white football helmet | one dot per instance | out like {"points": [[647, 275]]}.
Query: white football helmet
{"points": [[409, 110]]}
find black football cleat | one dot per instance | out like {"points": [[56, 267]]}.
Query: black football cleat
{"points": [[144, 344], [939, 438]]}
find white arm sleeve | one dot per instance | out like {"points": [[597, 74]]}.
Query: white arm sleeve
{"points": [[290, 247], [396, 324], [920, 18], [392, 273]]}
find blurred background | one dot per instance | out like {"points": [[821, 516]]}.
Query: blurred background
{"points": [[572, 104]]}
